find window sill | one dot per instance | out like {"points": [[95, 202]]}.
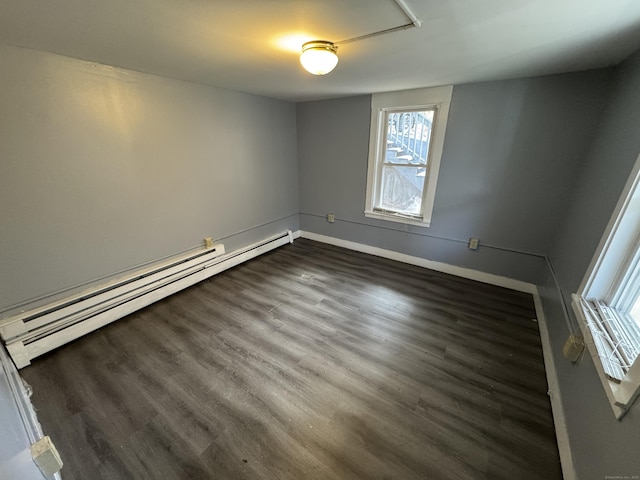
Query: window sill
{"points": [[621, 396], [397, 218]]}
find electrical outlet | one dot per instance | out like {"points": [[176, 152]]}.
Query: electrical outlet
{"points": [[573, 348], [331, 218], [208, 242], [473, 243]]}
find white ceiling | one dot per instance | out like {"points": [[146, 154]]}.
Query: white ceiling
{"points": [[253, 45]]}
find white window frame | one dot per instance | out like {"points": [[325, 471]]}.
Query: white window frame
{"points": [[609, 279], [437, 98]]}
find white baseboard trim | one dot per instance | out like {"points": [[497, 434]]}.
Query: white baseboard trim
{"points": [[468, 273], [559, 420]]}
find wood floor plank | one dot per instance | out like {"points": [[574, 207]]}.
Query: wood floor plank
{"points": [[309, 362]]}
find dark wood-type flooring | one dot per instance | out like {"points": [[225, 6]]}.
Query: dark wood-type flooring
{"points": [[309, 362]]}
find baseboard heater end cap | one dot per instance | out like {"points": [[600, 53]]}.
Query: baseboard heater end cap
{"points": [[13, 329], [19, 354], [46, 456]]}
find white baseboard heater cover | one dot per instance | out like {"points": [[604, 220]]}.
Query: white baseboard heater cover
{"points": [[35, 332]]}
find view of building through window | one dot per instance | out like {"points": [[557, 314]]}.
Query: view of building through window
{"points": [[405, 162]]}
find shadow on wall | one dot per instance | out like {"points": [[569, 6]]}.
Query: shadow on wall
{"points": [[510, 157]]}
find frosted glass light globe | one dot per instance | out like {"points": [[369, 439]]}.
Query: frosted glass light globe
{"points": [[319, 57]]}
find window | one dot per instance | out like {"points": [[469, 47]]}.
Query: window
{"points": [[608, 301], [405, 146]]}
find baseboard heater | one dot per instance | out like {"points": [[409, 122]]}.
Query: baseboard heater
{"points": [[32, 333]]}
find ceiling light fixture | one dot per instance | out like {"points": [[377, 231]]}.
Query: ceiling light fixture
{"points": [[319, 57]]}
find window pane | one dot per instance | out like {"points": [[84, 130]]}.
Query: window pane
{"points": [[402, 189], [407, 144], [635, 312], [408, 136]]}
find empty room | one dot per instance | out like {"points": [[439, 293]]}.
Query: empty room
{"points": [[282, 239]]}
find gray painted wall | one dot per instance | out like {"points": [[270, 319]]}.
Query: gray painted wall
{"points": [[601, 177], [104, 169], [511, 152], [601, 445], [15, 454]]}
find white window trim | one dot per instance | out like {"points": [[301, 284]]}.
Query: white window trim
{"points": [[603, 280], [438, 97]]}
